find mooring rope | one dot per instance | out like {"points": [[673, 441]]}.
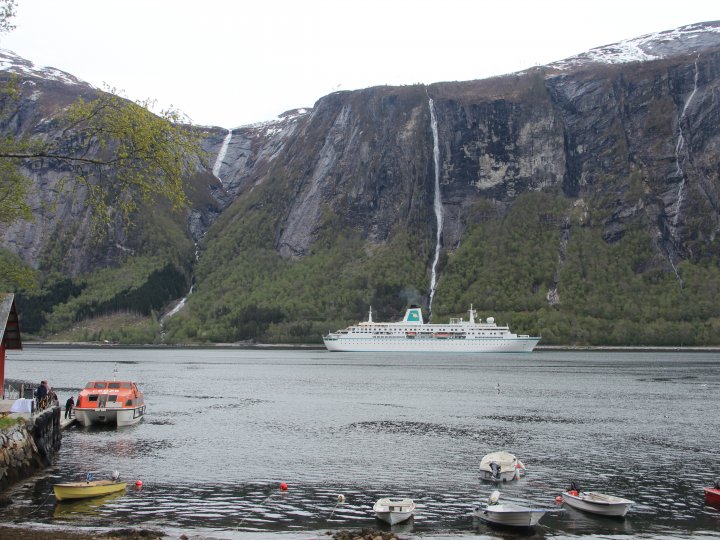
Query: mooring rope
{"points": [[19, 520]]}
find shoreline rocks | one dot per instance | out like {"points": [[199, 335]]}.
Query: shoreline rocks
{"points": [[28, 446]]}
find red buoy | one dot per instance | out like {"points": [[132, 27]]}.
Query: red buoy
{"points": [[138, 483], [559, 499], [283, 486]]}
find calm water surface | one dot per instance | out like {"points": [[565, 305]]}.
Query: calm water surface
{"points": [[225, 427]]}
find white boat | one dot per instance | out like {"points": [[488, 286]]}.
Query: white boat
{"points": [[509, 514], [501, 467], [414, 335], [392, 511], [110, 402], [596, 503]]}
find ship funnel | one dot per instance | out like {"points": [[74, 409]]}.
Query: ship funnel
{"points": [[413, 315]]}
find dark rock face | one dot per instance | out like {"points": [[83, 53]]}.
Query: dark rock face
{"points": [[630, 130]]}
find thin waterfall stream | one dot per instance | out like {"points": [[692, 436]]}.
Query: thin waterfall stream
{"points": [[437, 204], [679, 146], [216, 171], [221, 154]]}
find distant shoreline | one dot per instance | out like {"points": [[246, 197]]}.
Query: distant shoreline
{"points": [[317, 347]]}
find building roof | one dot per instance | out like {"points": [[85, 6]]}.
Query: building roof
{"points": [[9, 322]]}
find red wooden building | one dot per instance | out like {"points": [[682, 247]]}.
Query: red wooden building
{"points": [[10, 326]]}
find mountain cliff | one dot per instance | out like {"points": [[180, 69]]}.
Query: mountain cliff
{"points": [[578, 200]]}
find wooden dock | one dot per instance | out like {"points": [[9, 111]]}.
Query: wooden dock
{"points": [[67, 422]]}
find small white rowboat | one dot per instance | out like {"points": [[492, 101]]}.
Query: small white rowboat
{"points": [[597, 503], [509, 514], [394, 511]]}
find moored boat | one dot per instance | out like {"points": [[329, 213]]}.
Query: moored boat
{"points": [[501, 467], [84, 490], [413, 335], [393, 510], [110, 402], [596, 503], [712, 494], [508, 514]]}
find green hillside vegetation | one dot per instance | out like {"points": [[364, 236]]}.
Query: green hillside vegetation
{"points": [[140, 287], [260, 296], [619, 293]]}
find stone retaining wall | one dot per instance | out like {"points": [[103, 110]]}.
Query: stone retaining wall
{"points": [[28, 446]]}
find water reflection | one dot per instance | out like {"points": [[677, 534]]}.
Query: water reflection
{"points": [[93, 506]]}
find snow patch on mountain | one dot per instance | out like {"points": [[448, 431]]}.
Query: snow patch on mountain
{"points": [[692, 38], [12, 63]]}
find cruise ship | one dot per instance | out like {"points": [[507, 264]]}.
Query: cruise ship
{"points": [[413, 335]]}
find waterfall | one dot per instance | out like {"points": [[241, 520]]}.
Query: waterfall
{"points": [[437, 204], [678, 147], [221, 155], [177, 308]]}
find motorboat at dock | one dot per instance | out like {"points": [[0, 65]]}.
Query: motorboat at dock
{"points": [[110, 402]]}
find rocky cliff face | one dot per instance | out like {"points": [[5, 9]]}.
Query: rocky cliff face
{"points": [[62, 221], [628, 135]]}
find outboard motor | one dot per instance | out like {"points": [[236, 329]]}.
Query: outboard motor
{"points": [[115, 476], [495, 468], [717, 483]]}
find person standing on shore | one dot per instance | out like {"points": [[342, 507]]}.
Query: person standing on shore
{"points": [[69, 404], [41, 395]]}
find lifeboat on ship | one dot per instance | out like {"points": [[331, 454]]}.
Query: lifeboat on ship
{"points": [[110, 402]]}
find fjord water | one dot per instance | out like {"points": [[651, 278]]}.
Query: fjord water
{"points": [[225, 426]]}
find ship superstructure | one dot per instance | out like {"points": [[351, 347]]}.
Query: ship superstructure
{"points": [[413, 334]]}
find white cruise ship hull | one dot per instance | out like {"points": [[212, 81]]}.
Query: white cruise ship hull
{"points": [[402, 344]]}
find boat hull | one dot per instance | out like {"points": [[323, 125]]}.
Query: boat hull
{"points": [[418, 344], [507, 476], [84, 490], [712, 496], [598, 503], [393, 518], [394, 511], [510, 515], [120, 417]]}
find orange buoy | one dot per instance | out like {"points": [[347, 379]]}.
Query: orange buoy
{"points": [[559, 499], [283, 486]]}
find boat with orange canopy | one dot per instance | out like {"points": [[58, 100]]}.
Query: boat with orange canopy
{"points": [[110, 402]]}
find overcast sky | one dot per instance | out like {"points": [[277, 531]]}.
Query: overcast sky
{"points": [[230, 63]]}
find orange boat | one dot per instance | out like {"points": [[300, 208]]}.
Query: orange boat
{"points": [[110, 402]]}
